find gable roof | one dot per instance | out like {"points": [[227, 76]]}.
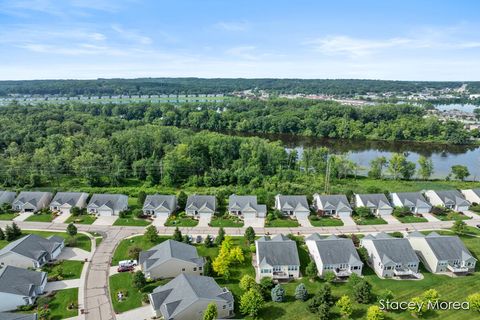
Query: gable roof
{"points": [[178, 294], [375, 200], [391, 249], [245, 203], [31, 197], [17, 316], [335, 250], [199, 202], [20, 281], [277, 251], [158, 201], [33, 246], [293, 203], [71, 198], [413, 199], [112, 201], [446, 247], [169, 249], [7, 197], [452, 197], [334, 201]]}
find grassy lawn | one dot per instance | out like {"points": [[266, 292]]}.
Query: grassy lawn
{"points": [[368, 220], [411, 219], [41, 217], [83, 241], [451, 216], [130, 221], [281, 223], [71, 269], [226, 221], [174, 221], [325, 222], [121, 252], [59, 302], [83, 219], [7, 216]]}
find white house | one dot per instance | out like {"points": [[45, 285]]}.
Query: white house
{"points": [[292, 206], [187, 296], [107, 204], [442, 253], [169, 259], [391, 257], [64, 201], [451, 199], [472, 195], [19, 287], [31, 201], [334, 254], [377, 203], [415, 201], [246, 207], [332, 205], [277, 258], [158, 205], [31, 251], [200, 205]]}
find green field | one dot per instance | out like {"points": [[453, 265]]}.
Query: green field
{"points": [[59, 302], [325, 222], [7, 216], [130, 221]]}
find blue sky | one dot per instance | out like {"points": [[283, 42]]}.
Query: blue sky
{"points": [[82, 39]]}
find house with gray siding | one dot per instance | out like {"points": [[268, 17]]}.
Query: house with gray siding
{"points": [[378, 203], [107, 204], [332, 205], [201, 205], [31, 201], [246, 207], [277, 258], [292, 206], [450, 199], [158, 205], [7, 197], [63, 202], [414, 201]]}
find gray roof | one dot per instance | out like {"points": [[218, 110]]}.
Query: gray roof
{"points": [[245, 203], [7, 197], [199, 202], [413, 199], [32, 197], [334, 201], [391, 249], [70, 198], [169, 249], [445, 247], [17, 316], [33, 246], [476, 191], [293, 202], [20, 281], [178, 294], [113, 201], [277, 251], [452, 197], [335, 250], [375, 200], [158, 201]]}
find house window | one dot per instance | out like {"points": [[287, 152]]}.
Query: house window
{"points": [[224, 306], [183, 269], [194, 269], [200, 268]]}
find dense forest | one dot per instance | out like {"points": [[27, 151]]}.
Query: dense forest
{"points": [[149, 86], [106, 144]]}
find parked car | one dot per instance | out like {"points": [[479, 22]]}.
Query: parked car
{"points": [[128, 263], [125, 268], [198, 239]]}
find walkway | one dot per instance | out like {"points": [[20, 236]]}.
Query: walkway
{"points": [[254, 222], [142, 313], [64, 284], [430, 217], [61, 218], [390, 219], [471, 214], [22, 216], [159, 221], [105, 221], [304, 222], [348, 221]]}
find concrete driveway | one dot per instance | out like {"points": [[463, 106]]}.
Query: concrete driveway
{"points": [[390, 219], [430, 217], [204, 220], [471, 214], [61, 218], [105, 221], [159, 221], [142, 313], [69, 253], [23, 216], [254, 222], [304, 222], [64, 284], [348, 221]]}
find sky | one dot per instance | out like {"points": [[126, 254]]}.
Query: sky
{"points": [[89, 39]]}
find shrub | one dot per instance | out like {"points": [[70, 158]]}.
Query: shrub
{"points": [[278, 293], [301, 292]]}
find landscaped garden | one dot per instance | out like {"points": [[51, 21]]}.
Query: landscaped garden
{"points": [[324, 221], [180, 220], [44, 215], [276, 219], [226, 221], [82, 219], [404, 215], [445, 214]]}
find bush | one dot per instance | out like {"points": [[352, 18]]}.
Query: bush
{"points": [[401, 212], [278, 293], [301, 292], [134, 252], [397, 234], [363, 212], [266, 285]]}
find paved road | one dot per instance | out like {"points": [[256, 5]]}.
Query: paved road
{"points": [[97, 303]]}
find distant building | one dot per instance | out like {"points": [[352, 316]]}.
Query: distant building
{"points": [[450, 199], [277, 258], [377, 203], [296, 206], [246, 206], [63, 202], [107, 204], [414, 201], [159, 205], [332, 205], [31, 201]]}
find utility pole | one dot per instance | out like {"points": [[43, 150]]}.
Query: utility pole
{"points": [[327, 175]]}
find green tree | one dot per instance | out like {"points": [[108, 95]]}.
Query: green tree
{"points": [[208, 242], [431, 295], [301, 292], [278, 293], [396, 165], [474, 301], [376, 167], [75, 211], [182, 200], [141, 198], [251, 302], [375, 313], [426, 167], [329, 276], [151, 234], [266, 285], [207, 267], [421, 309], [72, 230], [220, 237], [139, 280], [311, 270], [344, 304], [2, 234], [17, 232], [247, 282], [9, 233], [250, 235], [362, 292], [211, 312], [459, 226], [177, 235], [323, 312], [134, 252], [460, 172], [363, 212], [408, 170], [186, 239], [323, 296]]}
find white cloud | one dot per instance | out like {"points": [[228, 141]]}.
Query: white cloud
{"points": [[132, 35], [243, 52], [233, 26]]}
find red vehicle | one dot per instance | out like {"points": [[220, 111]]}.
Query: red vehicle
{"points": [[125, 268]]}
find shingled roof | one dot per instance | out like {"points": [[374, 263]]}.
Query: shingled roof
{"points": [[33, 246], [277, 251], [334, 250], [20, 281], [391, 249], [169, 249]]}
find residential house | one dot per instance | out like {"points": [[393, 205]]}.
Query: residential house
{"points": [[277, 258], [391, 257], [187, 296], [442, 253], [63, 202], [377, 203], [451, 199], [334, 254], [7, 197], [107, 204], [246, 207], [199, 205], [19, 287], [169, 259], [158, 205], [414, 201], [31, 251], [18, 316], [296, 206], [31, 201], [332, 205], [472, 195]]}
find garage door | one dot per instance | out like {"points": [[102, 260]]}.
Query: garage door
{"points": [[344, 214], [250, 215], [104, 212], [161, 215], [302, 214], [64, 211], [385, 212]]}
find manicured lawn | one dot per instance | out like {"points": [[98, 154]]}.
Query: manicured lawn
{"points": [[226, 222], [7, 216], [368, 220], [174, 221], [281, 223], [325, 222], [451, 216], [71, 269], [411, 219], [83, 219], [121, 252], [42, 217], [132, 222], [59, 303], [83, 241]]}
